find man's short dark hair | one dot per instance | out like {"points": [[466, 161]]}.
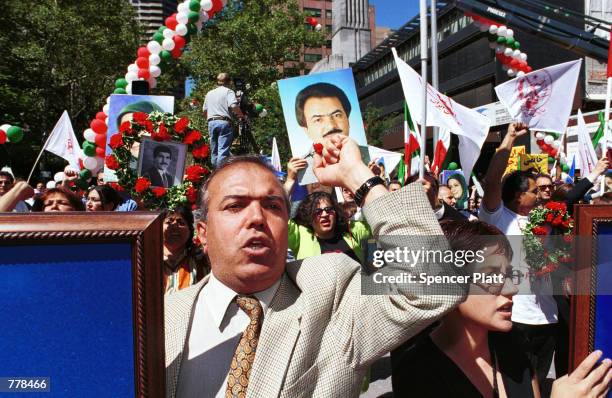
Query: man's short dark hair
{"points": [[516, 182], [7, 175], [252, 160], [543, 175], [161, 149], [319, 90]]}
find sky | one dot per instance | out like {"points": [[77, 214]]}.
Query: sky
{"points": [[394, 13]]}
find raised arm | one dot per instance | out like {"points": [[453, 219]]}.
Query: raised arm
{"points": [[493, 180], [20, 191], [293, 166]]}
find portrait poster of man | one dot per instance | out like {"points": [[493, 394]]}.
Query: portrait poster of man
{"points": [[163, 163], [121, 109], [318, 105]]}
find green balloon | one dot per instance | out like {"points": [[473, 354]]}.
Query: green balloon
{"points": [[516, 45], [194, 5], [121, 83], [89, 148], [565, 168], [85, 174], [453, 166], [193, 16], [509, 41], [501, 40], [14, 134], [551, 159], [119, 91], [161, 29], [165, 55], [158, 37], [259, 108], [82, 183]]}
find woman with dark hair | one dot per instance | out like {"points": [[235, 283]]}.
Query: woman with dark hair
{"points": [[459, 189], [58, 199], [102, 198], [184, 263], [470, 354], [320, 226]]}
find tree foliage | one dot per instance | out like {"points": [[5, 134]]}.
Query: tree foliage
{"points": [[377, 125], [251, 40], [60, 55]]}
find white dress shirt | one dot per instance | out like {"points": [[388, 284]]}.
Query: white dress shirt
{"points": [[216, 329]]}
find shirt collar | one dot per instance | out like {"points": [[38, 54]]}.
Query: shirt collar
{"points": [[222, 296], [440, 212]]}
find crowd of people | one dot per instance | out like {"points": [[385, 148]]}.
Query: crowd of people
{"points": [[261, 297]]}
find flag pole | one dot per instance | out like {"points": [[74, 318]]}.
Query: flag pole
{"points": [[604, 148], [423, 17], [38, 158], [434, 61]]}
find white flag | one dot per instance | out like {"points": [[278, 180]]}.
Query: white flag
{"points": [[276, 160], [587, 159], [63, 143], [471, 127], [542, 99]]}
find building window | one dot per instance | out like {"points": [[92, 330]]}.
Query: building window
{"points": [[312, 57], [328, 28], [313, 12], [328, 14], [328, 44], [291, 72]]}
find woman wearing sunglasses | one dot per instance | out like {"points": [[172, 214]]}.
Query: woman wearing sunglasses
{"points": [[470, 354], [320, 227]]}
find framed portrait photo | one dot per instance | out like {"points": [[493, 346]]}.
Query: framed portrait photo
{"points": [[163, 163], [82, 299]]}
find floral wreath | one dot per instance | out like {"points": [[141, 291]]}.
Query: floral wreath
{"points": [[546, 238], [160, 127]]}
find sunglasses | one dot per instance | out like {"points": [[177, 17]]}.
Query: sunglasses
{"points": [[543, 187], [328, 210]]}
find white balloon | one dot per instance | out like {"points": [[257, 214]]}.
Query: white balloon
{"points": [[182, 18], [263, 113], [89, 135], [483, 28], [206, 5], [168, 44], [169, 33], [106, 109], [154, 70], [511, 72], [154, 47], [59, 176], [90, 163], [108, 99], [5, 127], [131, 76], [100, 164], [556, 143], [508, 51], [516, 54], [540, 135], [128, 88], [318, 27], [182, 8], [181, 29], [152, 82], [50, 184], [499, 49], [564, 176], [132, 68], [69, 168], [199, 24], [203, 17], [501, 31], [549, 139], [509, 33], [523, 57], [493, 29], [154, 59], [106, 120]]}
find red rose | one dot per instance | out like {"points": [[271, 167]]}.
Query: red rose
{"points": [[194, 173], [565, 259], [159, 191], [139, 117], [126, 128], [318, 147], [192, 136], [549, 217], [142, 184], [201, 152], [197, 242], [148, 125], [539, 230], [111, 162], [191, 194], [116, 187], [557, 221], [181, 124], [115, 141], [162, 133]]}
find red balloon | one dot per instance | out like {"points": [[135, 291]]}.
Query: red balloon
{"points": [[100, 151], [98, 126], [217, 6], [81, 165], [100, 140], [554, 153], [143, 52], [176, 53], [2, 137], [545, 147], [101, 116], [540, 143], [171, 22], [528, 69], [142, 62], [179, 41], [144, 74], [514, 64]]}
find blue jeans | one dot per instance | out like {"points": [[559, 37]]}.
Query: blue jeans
{"points": [[221, 137]]}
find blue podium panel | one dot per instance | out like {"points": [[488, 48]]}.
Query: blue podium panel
{"points": [[603, 300], [67, 315]]}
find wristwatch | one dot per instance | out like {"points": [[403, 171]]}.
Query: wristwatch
{"points": [[363, 190]]}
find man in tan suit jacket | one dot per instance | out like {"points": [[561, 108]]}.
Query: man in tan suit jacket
{"points": [[319, 333]]}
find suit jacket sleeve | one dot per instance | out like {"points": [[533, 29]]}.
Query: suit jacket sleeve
{"points": [[368, 325], [574, 195]]}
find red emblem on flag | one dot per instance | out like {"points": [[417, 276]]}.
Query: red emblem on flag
{"points": [[534, 91]]}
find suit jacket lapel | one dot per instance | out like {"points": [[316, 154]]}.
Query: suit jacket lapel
{"points": [[279, 334]]}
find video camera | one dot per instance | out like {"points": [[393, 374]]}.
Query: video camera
{"points": [[246, 106], [246, 142]]}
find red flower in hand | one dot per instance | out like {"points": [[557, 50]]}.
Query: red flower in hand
{"points": [[139, 117], [191, 194], [318, 148], [126, 128], [181, 124], [116, 141], [111, 162], [142, 184], [539, 230], [192, 136], [201, 152], [159, 191], [195, 173]]}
